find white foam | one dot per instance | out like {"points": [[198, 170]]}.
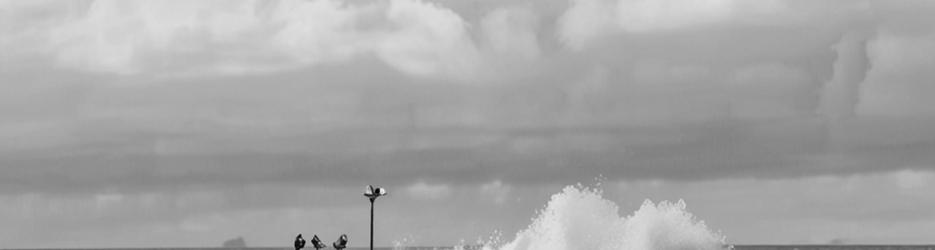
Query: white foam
{"points": [[580, 218]]}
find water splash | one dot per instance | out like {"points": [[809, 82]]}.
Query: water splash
{"points": [[404, 243], [495, 238], [580, 218]]}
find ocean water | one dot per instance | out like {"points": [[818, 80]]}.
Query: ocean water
{"points": [[579, 218], [477, 247]]}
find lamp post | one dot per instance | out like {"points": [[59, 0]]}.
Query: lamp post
{"points": [[372, 193]]}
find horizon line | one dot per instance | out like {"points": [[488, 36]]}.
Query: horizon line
{"points": [[475, 245]]}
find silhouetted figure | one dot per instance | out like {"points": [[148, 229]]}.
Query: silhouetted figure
{"points": [[341, 243], [299, 242], [317, 244]]}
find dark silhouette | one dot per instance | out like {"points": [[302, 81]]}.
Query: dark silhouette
{"points": [[372, 194], [317, 244], [299, 242], [341, 243]]}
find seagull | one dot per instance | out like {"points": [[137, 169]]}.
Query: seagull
{"points": [[299, 242], [317, 244]]}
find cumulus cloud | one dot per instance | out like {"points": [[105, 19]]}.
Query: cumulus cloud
{"points": [[589, 20], [664, 90], [584, 21], [512, 32], [840, 97], [896, 84], [644, 15], [132, 37]]}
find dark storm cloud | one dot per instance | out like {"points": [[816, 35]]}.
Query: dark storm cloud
{"points": [[700, 93], [129, 155]]}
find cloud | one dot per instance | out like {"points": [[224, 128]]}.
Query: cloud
{"points": [[496, 190], [211, 37], [588, 20], [914, 179], [697, 46], [428, 40], [327, 95], [736, 98], [744, 207], [840, 96], [423, 191], [585, 21], [643, 15], [512, 32], [897, 82]]}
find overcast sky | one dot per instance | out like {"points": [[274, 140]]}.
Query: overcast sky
{"points": [[186, 123]]}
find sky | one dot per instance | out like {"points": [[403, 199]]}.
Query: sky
{"points": [[187, 123]]}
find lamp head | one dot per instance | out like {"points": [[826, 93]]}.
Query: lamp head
{"points": [[373, 193]]}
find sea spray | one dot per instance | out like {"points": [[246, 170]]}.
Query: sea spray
{"points": [[403, 243], [488, 243], [579, 218]]}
